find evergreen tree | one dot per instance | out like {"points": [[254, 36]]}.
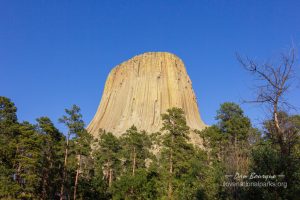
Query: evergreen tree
{"points": [[176, 151], [268, 158], [135, 149], [73, 121], [135, 182], [51, 158], [9, 130], [235, 128], [183, 167], [143, 185], [28, 161], [82, 143], [107, 161], [229, 145]]}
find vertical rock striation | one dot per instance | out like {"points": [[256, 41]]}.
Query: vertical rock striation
{"points": [[139, 90]]}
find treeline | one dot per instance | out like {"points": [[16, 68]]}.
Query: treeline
{"points": [[39, 162]]}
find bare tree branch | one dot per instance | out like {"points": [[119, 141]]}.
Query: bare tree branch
{"points": [[276, 81]]}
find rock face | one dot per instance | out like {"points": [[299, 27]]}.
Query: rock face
{"points": [[139, 90]]}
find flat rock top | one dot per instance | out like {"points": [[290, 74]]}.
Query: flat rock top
{"points": [[139, 90]]}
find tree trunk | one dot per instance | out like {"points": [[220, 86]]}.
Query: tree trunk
{"points": [[276, 121], [279, 133], [77, 176], [45, 184], [18, 177], [236, 154], [170, 189], [134, 162], [64, 169], [110, 177]]}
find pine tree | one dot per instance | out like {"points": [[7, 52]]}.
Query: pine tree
{"points": [[73, 121], [135, 156], [28, 161], [229, 144], [236, 129], [51, 158], [174, 124], [143, 185], [107, 158], [135, 148], [9, 130], [82, 143]]}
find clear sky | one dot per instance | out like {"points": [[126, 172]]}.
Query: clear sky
{"points": [[57, 53]]}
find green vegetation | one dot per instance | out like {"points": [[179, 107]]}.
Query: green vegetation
{"points": [[39, 162]]}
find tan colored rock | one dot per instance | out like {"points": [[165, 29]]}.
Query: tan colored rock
{"points": [[139, 90]]}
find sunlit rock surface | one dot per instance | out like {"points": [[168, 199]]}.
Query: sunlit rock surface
{"points": [[139, 90]]}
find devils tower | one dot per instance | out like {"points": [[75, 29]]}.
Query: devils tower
{"points": [[139, 90]]}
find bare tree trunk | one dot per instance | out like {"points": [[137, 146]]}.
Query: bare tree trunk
{"points": [[236, 154], [134, 162], [44, 186], [64, 170], [278, 131], [110, 177], [77, 176], [46, 176], [18, 174], [275, 116], [170, 189]]}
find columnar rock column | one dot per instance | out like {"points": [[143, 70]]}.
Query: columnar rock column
{"points": [[139, 90]]}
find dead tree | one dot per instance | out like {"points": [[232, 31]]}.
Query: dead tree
{"points": [[274, 82]]}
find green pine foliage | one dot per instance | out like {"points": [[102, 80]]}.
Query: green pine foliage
{"points": [[182, 166], [9, 130], [229, 145], [270, 157], [52, 162], [135, 182], [76, 157], [28, 161], [37, 161], [107, 158], [135, 150]]}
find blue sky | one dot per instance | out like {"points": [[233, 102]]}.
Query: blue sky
{"points": [[57, 53]]}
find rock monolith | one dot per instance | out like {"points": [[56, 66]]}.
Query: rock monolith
{"points": [[139, 90]]}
